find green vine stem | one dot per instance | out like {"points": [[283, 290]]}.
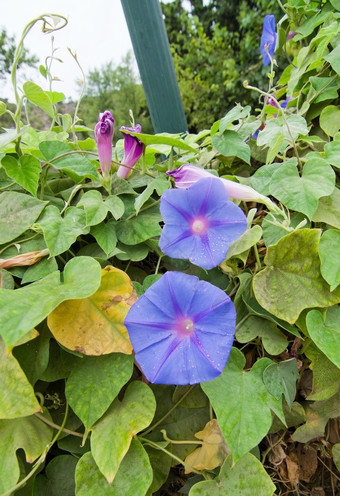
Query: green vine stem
{"points": [[185, 441], [268, 95], [87, 152], [56, 426], [50, 24], [82, 90], [160, 448], [156, 424], [142, 210]]}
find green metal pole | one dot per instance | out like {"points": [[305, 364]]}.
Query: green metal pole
{"points": [[151, 47]]}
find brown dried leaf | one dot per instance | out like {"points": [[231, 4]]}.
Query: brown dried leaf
{"points": [[292, 471], [276, 455], [308, 461], [24, 259]]}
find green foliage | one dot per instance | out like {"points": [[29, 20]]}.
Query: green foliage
{"points": [[108, 374], [90, 479], [112, 435], [243, 424], [245, 477], [293, 267], [77, 249], [215, 48]]}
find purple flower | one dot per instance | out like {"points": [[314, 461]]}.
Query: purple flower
{"points": [[104, 134], [181, 330], [200, 223], [133, 149], [187, 174], [283, 105], [268, 38]]}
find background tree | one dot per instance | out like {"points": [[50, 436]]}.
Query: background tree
{"points": [[7, 50], [215, 48], [119, 90]]}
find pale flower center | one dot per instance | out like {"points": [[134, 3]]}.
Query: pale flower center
{"points": [[199, 226], [185, 327]]}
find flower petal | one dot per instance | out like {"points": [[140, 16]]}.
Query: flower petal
{"points": [[187, 363], [164, 353], [268, 38], [206, 201]]}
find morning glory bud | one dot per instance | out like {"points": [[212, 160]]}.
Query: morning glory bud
{"points": [[268, 38], [187, 174], [133, 149], [104, 134], [290, 35]]}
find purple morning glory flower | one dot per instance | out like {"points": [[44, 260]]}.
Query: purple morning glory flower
{"points": [[104, 134], [188, 174], [133, 149], [268, 38], [283, 105], [181, 330], [200, 223]]}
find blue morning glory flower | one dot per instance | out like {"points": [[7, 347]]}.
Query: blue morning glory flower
{"points": [[200, 223], [181, 330], [268, 38]]}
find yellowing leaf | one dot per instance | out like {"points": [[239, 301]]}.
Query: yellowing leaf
{"points": [[17, 394], [95, 325], [212, 452]]}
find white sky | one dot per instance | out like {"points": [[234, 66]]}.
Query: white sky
{"points": [[96, 31]]}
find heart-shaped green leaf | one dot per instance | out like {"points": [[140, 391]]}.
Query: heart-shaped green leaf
{"points": [[94, 383], [75, 165], [21, 310], [61, 232], [242, 403], [326, 332], [329, 252], [17, 213], [292, 280], [280, 379], [231, 144], [133, 478], [302, 193], [94, 207], [17, 394], [112, 434], [25, 171], [27, 433], [245, 478]]}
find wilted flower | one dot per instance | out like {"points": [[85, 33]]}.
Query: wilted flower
{"points": [[187, 174], [133, 149], [104, 134], [181, 330], [200, 223], [268, 38]]}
